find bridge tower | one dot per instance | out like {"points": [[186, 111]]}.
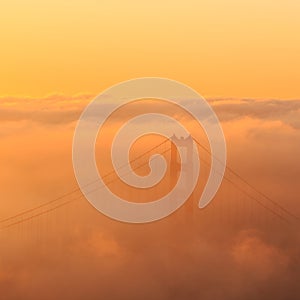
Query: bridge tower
{"points": [[185, 166]]}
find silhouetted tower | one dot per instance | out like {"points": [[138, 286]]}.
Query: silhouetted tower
{"points": [[185, 166]]}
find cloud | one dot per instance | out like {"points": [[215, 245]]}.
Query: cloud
{"points": [[96, 257], [286, 111], [77, 253], [62, 109], [258, 258], [50, 110]]}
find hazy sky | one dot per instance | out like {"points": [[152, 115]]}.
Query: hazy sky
{"points": [[243, 55], [221, 48]]}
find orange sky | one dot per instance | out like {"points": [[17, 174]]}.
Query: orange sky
{"points": [[242, 55], [221, 48]]}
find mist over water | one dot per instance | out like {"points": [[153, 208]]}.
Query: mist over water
{"points": [[232, 249]]}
